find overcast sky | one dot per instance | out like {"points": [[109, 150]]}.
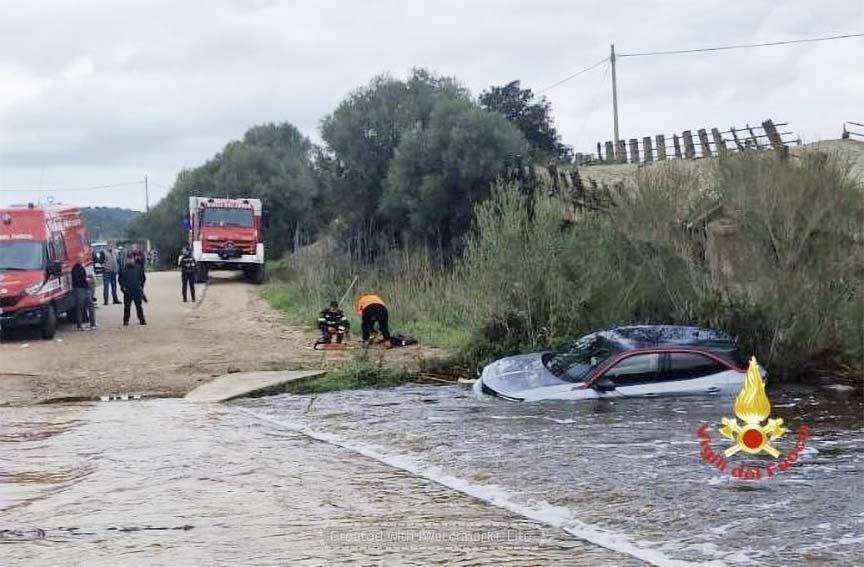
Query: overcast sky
{"points": [[97, 92]]}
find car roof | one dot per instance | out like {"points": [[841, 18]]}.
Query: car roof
{"points": [[652, 336]]}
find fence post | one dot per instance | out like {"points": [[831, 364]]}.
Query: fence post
{"points": [[677, 142], [775, 139], [689, 148], [738, 143], [703, 141], [773, 135], [648, 148], [621, 152], [580, 189], [634, 150], [719, 142], [610, 153], [755, 140], [661, 146]]}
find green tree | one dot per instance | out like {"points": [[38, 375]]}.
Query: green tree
{"points": [[272, 163], [440, 172], [533, 116], [362, 135]]}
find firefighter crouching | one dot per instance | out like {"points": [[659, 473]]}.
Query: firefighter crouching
{"points": [[332, 321], [372, 311], [188, 267]]}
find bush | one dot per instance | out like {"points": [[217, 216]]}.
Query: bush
{"points": [[789, 287], [537, 272]]}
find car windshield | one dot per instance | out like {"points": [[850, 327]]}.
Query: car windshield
{"points": [[576, 363], [228, 217], [22, 255]]}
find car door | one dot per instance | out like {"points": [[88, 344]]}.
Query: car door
{"points": [[687, 373], [633, 376]]}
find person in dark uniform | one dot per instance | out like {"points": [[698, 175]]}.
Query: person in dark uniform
{"points": [[188, 265], [373, 311], [83, 291], [332, 320], [141, 259], [132, 283]]}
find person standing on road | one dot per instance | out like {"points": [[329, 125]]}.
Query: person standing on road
{"points": [[372, 311], [132, 283], [141, 259], [110, 268], [83, 294], [188, 266]]}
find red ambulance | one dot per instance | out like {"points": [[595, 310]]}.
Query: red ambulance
{"points": [[38, 248]]}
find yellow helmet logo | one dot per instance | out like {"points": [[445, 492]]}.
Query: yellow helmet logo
{"points": [[752, 408]]}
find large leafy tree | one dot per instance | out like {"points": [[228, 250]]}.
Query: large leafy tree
{"points": [[532, 115], [272, 163], [440, 172], [362, 135]]}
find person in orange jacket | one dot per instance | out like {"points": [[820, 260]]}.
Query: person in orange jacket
{"points": [[372, 310]]}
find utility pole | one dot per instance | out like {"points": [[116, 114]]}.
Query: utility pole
{"points": [[147, 194], [614, 95]]}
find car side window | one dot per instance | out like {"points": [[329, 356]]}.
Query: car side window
{"points": [[637, 369], [687, 365]]}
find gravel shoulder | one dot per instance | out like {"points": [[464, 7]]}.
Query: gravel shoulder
{"points": [[229, 329]]}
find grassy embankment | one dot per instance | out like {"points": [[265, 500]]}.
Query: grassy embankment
{"points": [[785, 274]]}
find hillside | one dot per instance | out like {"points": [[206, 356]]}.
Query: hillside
{"points": [[108, 222]]}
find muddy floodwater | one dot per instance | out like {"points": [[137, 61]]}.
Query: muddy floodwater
{"points": [[420, 475]]}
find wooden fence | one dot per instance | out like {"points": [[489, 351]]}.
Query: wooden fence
{"points": [[852, 134], [703, 144]]}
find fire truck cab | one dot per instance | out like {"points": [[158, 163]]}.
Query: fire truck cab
{"points": [[226, 234], [38, 248]]}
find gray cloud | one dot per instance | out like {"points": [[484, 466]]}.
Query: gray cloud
{"points": [[97, 92]]}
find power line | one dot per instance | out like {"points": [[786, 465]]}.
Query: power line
{"points": [[574, 75], [741, 46], [59, 189]]}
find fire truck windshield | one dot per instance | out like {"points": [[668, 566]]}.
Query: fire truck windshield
{"points": [[228, 217], [22, 255]]}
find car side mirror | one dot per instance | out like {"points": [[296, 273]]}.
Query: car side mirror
{"points": [[603, 385], [54, 269]]}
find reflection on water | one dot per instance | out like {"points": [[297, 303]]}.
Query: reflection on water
{"points": [[173, 483]]}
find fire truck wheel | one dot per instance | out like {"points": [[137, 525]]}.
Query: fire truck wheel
{"points": [[201, 274], [49, 323], [258, 274]]}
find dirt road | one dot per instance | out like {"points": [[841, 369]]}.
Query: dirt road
{"points": [[229, 329]]}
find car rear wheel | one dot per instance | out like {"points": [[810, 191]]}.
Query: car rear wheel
{"points": [[49, 323], [201, 273]]}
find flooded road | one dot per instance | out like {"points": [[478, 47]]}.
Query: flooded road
{"points": [[166, 482], [419, 475], [626, 475]]}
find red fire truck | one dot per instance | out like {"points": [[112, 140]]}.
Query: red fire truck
{"points": [[38, 248], [226, 234]]}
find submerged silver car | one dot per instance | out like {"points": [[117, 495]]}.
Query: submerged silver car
{"points": [[633, 361]]}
